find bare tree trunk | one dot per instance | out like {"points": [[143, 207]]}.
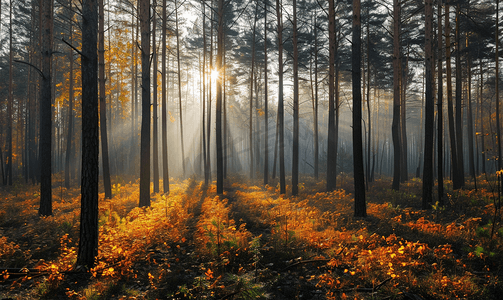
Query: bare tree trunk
{"points": [[429, 109], [450, 112], [359, 176], [88, 242], [9, 157], [155, 126], [250, 121], [220, 54], [164, 103], [266, 111], [205, 155], [440, 122], [459, 114], [103, 111], [331, 139], [69, 150], [295, 152], [282, 183], [179, 85], [395, 126], [471, 154], [496, 86], [145, 99], [46, 110]]}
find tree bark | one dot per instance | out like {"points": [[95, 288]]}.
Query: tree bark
{"points": [[281, 123], [165, 170], [359, 177], [69, 138], [295, 152], [220, 54], [429, 113], [440, 122], [145, 103], [331, 139], [10, 103], [179, 85], [266, 110], [496, 86], [155, 126], [88, 242], [459, 114], [450, 110], [103, 103], [46, 110], [395, 126]]}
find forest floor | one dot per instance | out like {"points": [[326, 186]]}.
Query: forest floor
{"points": [[253, 243]]}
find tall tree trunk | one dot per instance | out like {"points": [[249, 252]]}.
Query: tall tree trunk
{"points": [[359, 177], [208, 128], [429, 114], [10, 103], [450, 112], [496, 86], [252, 73], [179, 85], [459, 114], [471, 155], [88, 242], [218, 117], [155, 126], [315, 104], [145, 103], [404, 69], [331, 139], [266, 110], [282, 183], [395, 126], [482, 130], [103, 103], [205, 155], [440, 122], [46, 110], [369, 120], [69, 138], [164, 103], [295, 152]]}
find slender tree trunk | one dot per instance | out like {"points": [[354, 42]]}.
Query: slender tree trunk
{"points": [[103, 111], [403, 119], [145, 106], [46, 110], [369, 120], [482, 130], [359, 177], [459, 114], [496, 86], [155, 126], [266, 110], [180, 86], [282, 182], [440, 122], [205, 155], [69, 138], [164, 103], [295, 152], [471, 155], [450, 110], [88, 242], [331, 139], [315, 106], [252, 73], [10, 103], [220, 54], [429, 109], [395, 126]]}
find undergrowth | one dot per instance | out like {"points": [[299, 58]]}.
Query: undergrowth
{"points": [[253, 243]]}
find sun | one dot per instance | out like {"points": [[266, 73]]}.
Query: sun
{"points": [[214, 74]]}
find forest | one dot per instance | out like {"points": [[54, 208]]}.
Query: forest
{"points": [[233, 149]]}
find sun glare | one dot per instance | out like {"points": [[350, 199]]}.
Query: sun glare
{"points": [[214, 75]]}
